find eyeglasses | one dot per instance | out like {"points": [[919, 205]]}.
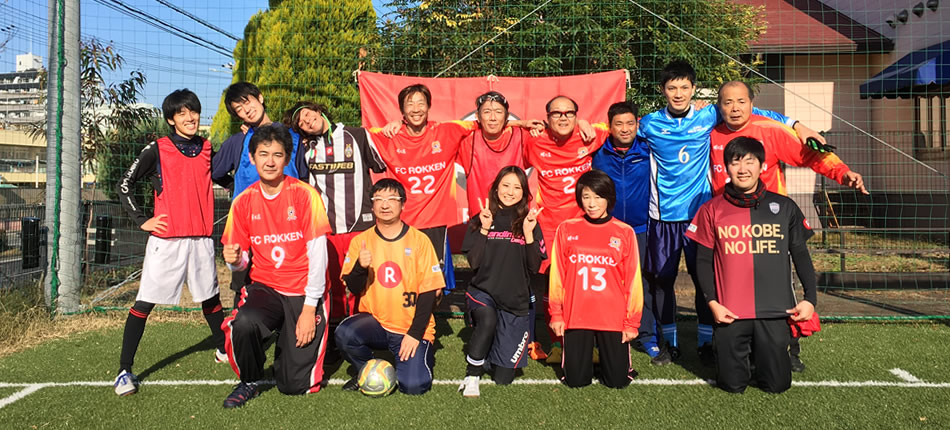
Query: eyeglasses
{"points": [[390, 199], [554, 114], [491, 98]]}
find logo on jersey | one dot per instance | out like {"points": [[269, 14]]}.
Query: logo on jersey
{"points": [[291, 213], [805, 223], [400, 150], [408, 252], [718, 168], [255, 217], [570, 238], [329, 150], [436, 147], [665, 131], [615, 243], [436, 269], [348, 151], [318, 319], [389, 275], [691, 228], [367, 217], [581, 152], [697, 129], [546, 154], [774, 207], [718, 147]]}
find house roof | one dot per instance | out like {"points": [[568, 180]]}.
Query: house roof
{"points": [[868, 39], [791, 31]]}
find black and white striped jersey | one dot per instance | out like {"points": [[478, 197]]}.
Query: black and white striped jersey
{"points": [[340, 162]]}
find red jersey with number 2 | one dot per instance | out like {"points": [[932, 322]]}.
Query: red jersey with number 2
{"points": [[276, 229], [425, 165], [558, 168]]}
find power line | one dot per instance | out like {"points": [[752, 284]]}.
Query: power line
{"points": [[164, 26], [198, 20]]}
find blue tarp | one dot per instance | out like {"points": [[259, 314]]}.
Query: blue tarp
{"points": [[906, 77]]}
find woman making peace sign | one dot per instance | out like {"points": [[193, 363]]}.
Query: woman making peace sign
{"points": [[504, 246]]}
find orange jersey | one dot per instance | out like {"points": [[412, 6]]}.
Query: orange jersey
{"points": [[781, 145], [595, 276], [277, 230], [401, 270], [559, 167], [425, 165]]}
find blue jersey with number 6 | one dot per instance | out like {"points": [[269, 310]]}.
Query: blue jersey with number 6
{"points": [[679, 160]]}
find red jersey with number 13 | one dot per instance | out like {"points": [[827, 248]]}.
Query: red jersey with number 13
{"points": [[595, 276], [425, 165], [276, 230]]}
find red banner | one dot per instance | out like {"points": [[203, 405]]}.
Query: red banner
{"points": [[454, 98]]}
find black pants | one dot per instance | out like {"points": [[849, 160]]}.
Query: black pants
{"points": [[767, 341], [263, 310], [578, 358]]}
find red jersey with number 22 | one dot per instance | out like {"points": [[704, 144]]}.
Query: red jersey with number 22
{"points": [[277, 231], [425, 165]]}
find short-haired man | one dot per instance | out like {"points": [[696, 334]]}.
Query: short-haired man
{"points": [[626, 160], [781, 146], [232, 163], [560, 155], [180, 248], [282, 222], [394, 270], [678, 137], [750, 232]]}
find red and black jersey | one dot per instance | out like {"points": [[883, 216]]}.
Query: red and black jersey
{"points": [[751, 252]]}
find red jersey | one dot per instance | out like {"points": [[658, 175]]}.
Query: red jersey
{"points": [[186, 195], [595, 276], [482, 159], [425, 165], [781, 145], [277, 231], [559, 167], [402, 269]]}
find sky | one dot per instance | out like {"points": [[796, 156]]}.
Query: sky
{"points": [[168, 62]]}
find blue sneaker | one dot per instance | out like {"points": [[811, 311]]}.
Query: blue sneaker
{"points": [[241, 394], [125, 383]]}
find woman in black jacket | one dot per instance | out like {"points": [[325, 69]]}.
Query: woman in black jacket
{"points": [[504, 247]]}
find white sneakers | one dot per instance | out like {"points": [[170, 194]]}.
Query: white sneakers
{"points": [[125, 383], [220, 357], [469, 387]]}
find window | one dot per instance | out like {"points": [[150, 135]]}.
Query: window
{"points": [[930, 114]]}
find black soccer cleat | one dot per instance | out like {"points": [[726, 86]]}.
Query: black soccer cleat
{"points": [[242, 393], [351, 385], [797, 365], [668, 354]]}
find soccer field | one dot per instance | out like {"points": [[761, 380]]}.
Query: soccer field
{"points": [[858, 376]]}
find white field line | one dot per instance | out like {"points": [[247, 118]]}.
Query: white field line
{"points": [[905, 375], [26, 391]]}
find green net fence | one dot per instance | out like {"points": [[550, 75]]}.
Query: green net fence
{"points": [[872, 75]]}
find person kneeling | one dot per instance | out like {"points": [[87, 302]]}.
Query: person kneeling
{"points": [[749, 232], [595, 293], [282, 221], [394, 270]]}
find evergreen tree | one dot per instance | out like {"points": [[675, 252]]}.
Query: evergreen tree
{"points": [[567, 37], [302, 50]]}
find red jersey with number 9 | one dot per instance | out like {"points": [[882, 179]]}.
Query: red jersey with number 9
{"points": [[402, 269], [425, 165], [276, 229], [559, 167], [595, 276]]}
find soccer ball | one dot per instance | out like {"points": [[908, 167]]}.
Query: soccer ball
{"points": [[377, 378]]}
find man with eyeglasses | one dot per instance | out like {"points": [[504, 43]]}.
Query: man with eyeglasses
{"points": [[394, 270], [560, 155]]}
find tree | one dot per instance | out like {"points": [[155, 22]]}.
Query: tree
{"points": [[107, 109], [567, 37], [302, 50]]}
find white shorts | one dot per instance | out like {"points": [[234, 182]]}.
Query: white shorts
{"points": [[169, 263]]}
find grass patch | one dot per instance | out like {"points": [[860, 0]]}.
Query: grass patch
{"points": [[177, 350]]}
